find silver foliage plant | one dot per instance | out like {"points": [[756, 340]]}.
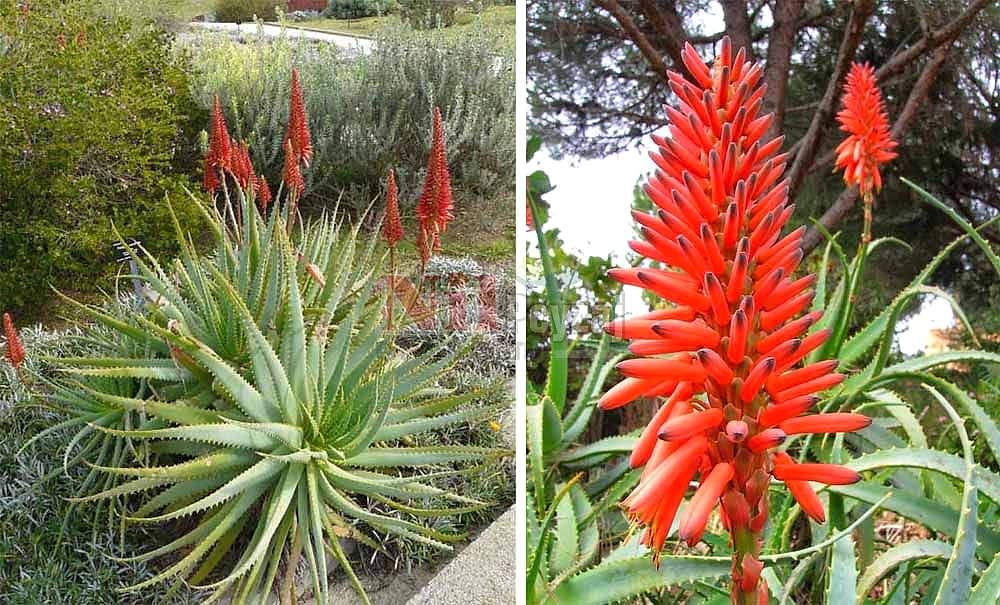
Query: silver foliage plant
{"points": [[368, 111]]}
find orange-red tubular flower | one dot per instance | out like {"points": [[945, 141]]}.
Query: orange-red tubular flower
{"points": [[802, 491], [681, 428], [826, 423], [831, 474], [734, 327], [704, 500], [14, 349], [868, 144]]}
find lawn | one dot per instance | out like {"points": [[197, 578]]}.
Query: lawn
{"points": [[499, 18]]}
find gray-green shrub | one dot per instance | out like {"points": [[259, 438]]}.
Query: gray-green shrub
{"points": [[358, 9], [238, 11], [426, 14], [371, 111]]}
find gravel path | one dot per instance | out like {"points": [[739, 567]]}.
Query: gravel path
{"points": [[360, 45]]}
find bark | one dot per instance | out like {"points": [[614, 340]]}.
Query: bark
{"points": [[667, 23], [779, 57], [934, 39], [737, 20], [835, 213], [807, 147]]}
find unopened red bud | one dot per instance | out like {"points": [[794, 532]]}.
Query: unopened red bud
{"points": [[736, 430], [765, 440], [831, 474], [826, 423], [677, 429]]}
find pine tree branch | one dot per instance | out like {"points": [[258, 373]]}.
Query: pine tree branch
{"points": [[667, 23], [779, 56], [649, 52], [737, 19]]}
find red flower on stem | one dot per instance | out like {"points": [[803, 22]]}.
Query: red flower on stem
{"points": [[725, 354], [298, 124], [219, 155], [263, 193], [242, 166], [15, 349], [434, 209], [869, 143], [392, 227]]}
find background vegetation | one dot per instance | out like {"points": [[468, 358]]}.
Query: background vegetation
{"points": [[64, 181]]}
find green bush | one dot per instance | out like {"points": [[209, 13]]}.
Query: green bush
{"points": [[239, 11], [86, 142], [372, 111], [358, 9], [426, 14]]}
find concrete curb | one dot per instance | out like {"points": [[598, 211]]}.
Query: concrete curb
{"points": [[482, 574]]}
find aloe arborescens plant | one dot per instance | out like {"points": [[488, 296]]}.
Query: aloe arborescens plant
{"points": [[275, 408]]}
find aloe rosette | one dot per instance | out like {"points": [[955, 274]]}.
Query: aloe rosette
{"points": [[726, 353], [276, 412]]}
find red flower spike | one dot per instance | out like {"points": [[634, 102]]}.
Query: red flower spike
{"points": [[434, 209], [704, 500], [869, 143], [263, 194], [219, 155], [14, 350], [392, 227], [678, 429], [721, 206], [830, 474], [298, 124], [841, 422]]}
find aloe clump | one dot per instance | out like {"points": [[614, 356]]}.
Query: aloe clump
{"points": [[275, 408]]}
